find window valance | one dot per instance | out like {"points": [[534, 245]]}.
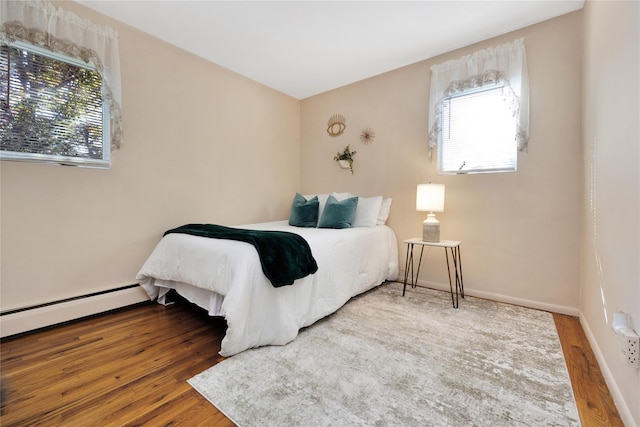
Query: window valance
{"points": [[40, 23], [505, 64]]}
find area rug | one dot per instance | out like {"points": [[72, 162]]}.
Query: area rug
{"points": [[388, 360]]}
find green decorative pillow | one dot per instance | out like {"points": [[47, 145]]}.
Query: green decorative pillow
{"points": [[338, 214], [304, 213]]}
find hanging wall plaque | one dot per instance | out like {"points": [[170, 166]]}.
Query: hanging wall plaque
{"points": [[336, 125]]}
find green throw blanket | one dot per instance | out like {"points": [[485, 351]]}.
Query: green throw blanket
{"points": [[284, 256]]}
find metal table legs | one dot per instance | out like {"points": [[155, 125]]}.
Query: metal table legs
{"points": [[456, 260]]}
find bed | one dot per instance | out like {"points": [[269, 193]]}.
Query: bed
{"points": [[225, 278]]}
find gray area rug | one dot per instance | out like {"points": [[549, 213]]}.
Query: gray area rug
{"points": [[388, 360]]}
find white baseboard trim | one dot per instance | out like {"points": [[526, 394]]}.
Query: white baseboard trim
{"points": [[47, 315], [618, 398], [554, 308]]}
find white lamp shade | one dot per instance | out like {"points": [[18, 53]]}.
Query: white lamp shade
{"points": [[430, 198]]}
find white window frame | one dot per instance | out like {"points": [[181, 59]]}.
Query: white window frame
{"points": [[444, 148], [504, 64], [104, 162]]}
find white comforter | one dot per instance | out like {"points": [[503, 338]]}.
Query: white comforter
{"points": [[350, 261]]}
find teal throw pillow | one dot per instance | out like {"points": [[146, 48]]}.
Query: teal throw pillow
{"points": [[338, 214], [304, 213]]}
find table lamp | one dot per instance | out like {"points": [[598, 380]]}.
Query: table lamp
{"points": [[430, 198]]}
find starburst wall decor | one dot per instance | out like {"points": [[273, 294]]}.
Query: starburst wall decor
{"points": [[367, 136]]}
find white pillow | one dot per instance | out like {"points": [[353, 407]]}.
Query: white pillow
{"points": [[341, 196], [367, 211], [322, 199], [385, 209]]}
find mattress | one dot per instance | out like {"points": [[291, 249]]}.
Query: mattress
{"points": [[225, 278]]}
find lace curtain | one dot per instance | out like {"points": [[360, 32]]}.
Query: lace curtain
{"points": [[42, 24], [505, 64]]}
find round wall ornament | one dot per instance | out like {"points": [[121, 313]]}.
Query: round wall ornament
{"points": [[367, 136]]}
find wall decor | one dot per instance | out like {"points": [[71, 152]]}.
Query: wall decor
{"points": [[345, 158], [367, 136], [336, 125]]}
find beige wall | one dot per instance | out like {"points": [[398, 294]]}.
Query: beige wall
{"points": [[520, 231], [201, 144], [611, 232]]}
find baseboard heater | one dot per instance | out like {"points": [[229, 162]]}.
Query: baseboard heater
{"points": [[25, 319]]}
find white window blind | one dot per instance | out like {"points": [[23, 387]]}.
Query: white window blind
{"points": [[52, 108], [478, 133]]}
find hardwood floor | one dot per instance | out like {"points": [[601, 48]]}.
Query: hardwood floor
{"points": [[124, 368], [130, 368], [593, 399]]}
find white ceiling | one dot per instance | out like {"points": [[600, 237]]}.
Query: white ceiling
{"points": [[303, 48]]}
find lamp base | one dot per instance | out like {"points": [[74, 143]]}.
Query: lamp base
{"points": [[431, 229]]}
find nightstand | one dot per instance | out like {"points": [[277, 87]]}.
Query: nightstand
{"points": [[450, 246]]}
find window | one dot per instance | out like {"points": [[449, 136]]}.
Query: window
{"points": [[478, 132], [479, 110], [52, 108]]}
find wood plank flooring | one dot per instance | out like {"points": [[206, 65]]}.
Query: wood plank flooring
{"points": [[594, 402], [130, 367]]}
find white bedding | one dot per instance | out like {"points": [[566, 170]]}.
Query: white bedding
{"points": [[225, 278]]}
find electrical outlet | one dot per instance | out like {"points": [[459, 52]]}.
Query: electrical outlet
{"points": [[630, 346]]}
